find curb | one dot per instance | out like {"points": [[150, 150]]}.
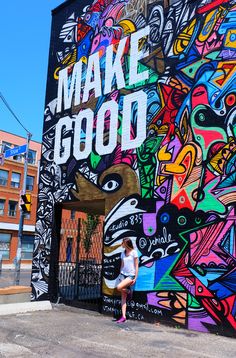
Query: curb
{"points": [[23, 307], [11, 290], [12, 266]]}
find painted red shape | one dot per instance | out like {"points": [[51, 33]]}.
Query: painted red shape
{"points": [[209, 136], [201, 290], [211, 6]]}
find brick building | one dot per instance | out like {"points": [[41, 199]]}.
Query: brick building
{"points": [[11, 181]]}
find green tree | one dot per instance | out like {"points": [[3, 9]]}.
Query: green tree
{"points": [[90, 226]]}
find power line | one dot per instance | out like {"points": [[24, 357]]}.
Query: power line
{"points": [[21, 222], [10, 110]]}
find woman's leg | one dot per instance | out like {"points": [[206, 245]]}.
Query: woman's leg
{"points": [[122, 287], [123, 303]]}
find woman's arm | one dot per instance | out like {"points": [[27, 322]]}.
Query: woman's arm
{"points": [[136, 269], [122, 264]]}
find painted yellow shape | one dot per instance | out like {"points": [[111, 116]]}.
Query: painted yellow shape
{"points": [[230, 40], [160, 179], [128, 26], [164, 155], [224, 154], [108, 250], [209, 24], [177, 167], [184, 38]]}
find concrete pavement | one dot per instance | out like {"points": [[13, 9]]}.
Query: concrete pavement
{"points": [[65, 332]]}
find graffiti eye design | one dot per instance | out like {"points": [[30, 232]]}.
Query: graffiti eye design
{"points": [[87, 17], [112, 183]]}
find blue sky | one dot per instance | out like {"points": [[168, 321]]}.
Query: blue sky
{"points": [[25, 27]]}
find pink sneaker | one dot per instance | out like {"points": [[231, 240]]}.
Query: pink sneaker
{"points": [[121, 320]]}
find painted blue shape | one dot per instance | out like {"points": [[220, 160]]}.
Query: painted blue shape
{"points": [[162, 266], [210, 275], [146, 277], [229, 23], [220, 290], [234, 309], [228, 243], [226, 286]]}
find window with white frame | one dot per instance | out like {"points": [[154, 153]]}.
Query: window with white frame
{"points": [[27, 247], [5, 241], [29, 182], [3, 177], [6, 145], [32, 156], [18, 157], [12, 208], [15, 180], [27, 215]]}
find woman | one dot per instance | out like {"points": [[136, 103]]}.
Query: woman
{"points": [[128, 275]]}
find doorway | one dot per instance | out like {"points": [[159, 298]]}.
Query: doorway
{"points": [[80, 255]]}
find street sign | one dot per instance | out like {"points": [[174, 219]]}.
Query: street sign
{"points": [[15, 151]]}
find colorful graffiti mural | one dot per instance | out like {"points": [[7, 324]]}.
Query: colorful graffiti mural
{"points": [[140, 111]]}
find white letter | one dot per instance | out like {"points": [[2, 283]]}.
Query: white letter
{"points": [[136, 55], [139, 116], [93, 71], [86, 114], [60, 156], [63, 87], [112, 107], [114, 68]]}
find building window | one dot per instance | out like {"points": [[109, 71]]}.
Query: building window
{"points": [[2, 204], [15, 180], [18, 157], [72, 214], [27, 247], [27, 215], [3, 177], [5, 240], [29, 182], [6, 146], [69, 249], [31, 156], [12, 207]]}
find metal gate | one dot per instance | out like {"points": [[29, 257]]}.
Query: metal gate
{"points": [[80, 262]]}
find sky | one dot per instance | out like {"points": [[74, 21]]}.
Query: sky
{"points": [[25, 27]]}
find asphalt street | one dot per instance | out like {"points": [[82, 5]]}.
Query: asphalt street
{"points": [[65, 332]]}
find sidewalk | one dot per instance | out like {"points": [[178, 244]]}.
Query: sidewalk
{"points": [[65, 332], [7, 276]]}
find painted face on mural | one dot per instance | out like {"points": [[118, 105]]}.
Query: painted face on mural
{"points": [[143, 116]]}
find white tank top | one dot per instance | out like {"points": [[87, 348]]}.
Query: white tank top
{"points": [[129, 266]]}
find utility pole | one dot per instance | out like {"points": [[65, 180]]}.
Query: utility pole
{"points": [[17, 260]]}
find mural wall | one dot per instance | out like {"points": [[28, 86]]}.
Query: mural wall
{"points": [[140, 111]]}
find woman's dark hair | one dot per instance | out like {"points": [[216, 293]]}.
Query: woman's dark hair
{"points": [[128, 243]]}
